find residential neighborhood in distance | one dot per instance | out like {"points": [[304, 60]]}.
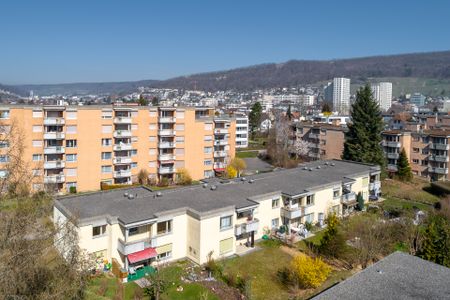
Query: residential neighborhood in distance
{"points": [[226, 150]]}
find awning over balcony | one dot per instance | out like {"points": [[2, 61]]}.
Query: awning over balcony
{"points": [[142, 255], [219, 169]]}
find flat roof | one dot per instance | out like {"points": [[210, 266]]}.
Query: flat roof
{"points": [[397, 276], [203, 201]]}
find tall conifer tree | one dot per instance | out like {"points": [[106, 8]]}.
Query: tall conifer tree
{"points": [[403, 168], [363, 139]]}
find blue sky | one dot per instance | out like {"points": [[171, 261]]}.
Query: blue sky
{"points": [[87, 41]]}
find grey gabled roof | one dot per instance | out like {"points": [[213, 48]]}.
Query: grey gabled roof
{"points": [[202, 201], [397, 276]]}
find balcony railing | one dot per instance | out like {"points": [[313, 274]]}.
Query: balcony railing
{"points": [[220, 153], [54, 150], [54, 121], [122, 173], [122, 160], [54, 164], [438, 170], [122, 147], [166, 157], [314, 135], [392, 168], [122, 120], [122, 133], [438, 146], [249, 226], [438, 158], [349, 197], [219, 165], [163, 170], [167, 120], [393, 155], [54, 179], [54, 136], [376, 185], [166, 132], [292, 212], [130, 247], [166, 145], [220, 131], [391, 144], [221, 142]]}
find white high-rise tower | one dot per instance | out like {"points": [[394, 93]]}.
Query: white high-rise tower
{"points": [[382, 93], [341, 95]]}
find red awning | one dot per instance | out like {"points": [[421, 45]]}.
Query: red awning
{"points": [[219, 169], [142, 255]]}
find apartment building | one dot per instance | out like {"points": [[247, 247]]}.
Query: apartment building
{"points": [[326, 140], [382, 93], [84, 146], [427, 151], [341, 95], [138, 227], [241, 131]]}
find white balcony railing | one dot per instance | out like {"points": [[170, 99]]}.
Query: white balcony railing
{"points": [[54, 164], [438, 146], [249, 226], [166, 132], [122, 160], [392, 168], [438, 158], [393, 155], [374, 185], [292, 212], [221, 131], [166, 145], [166, 157], [122, 147], [122, 120], [219, 165], [220, 153], [122, 133], [438, 170], [54, 135], [54, 150], [167, 120], [130, 247], [165, 170], [221, 142], [122, 173], [349, 197], [391, 144], [54, 179], [54, 121]]}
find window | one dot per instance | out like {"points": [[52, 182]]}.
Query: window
{"points": [[152, 164], [3, 158], [310, 200], [37, 172], [106, 169], [208, 150], [208, 126], [275, 203], [71, 115], [152, 138], [164, 255], [179, 139], [106, 142], [336, 193], [134, 127], [225, 246], [37, 157], [152, 151], [179, 114], [274, 223], [153, 113], [207, 162], [98, 230], [37, 113], [164, 227], [179, 164], [415, 161], [71, 129], [134, 165], [365, 181], [134, 139], [134, 231], [226, 222], [107, 114], [71, 157], [424, 151], [4, 114], [37, 128], [71, 143], [71, 171], [4, 144], [134, 114], [37, 143], [416, 150], [37, 186], [208, 138], [208, 174], [106, 128], [179, 127], [179, 151], [106, 155], [133, 152]]}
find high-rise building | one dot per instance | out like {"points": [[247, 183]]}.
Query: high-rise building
{"points": [[382, 93], [341, 95], [417, 99], [85, 146], [241, 131]]}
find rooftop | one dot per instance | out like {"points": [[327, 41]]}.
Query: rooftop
{"points": [[203, 201], [397, 276]]}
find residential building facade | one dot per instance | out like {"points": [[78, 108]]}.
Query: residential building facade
{"points": [[137, 227], [241, 131], [382, 93], [84, 146], [341, 95]]}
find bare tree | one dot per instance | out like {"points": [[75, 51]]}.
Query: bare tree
{"points": [[279, 142], [301, 148]]}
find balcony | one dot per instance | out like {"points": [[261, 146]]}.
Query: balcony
{"points": [[438, 158], [219, 165], [163, 170], [392, 168], [166, 132], [249, 226], [54, 136], [374, 185], [122, 120], [221, 131], [122, 147], [314, 135], [391, 144], [349, 197], [54, 179], [122, 173], [308, 209], [57, 164], [166, 145], [130, 247], [392, 155], [54, 121], [167, 120], [438, 146], [166, 157], [122, 160], [221, 142], [292, 212], [443, 171], [122, 133], [54, 150], [220, 153]]}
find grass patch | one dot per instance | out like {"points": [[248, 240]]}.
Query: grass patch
{"points": [[315, 240], [391, 204], [246, 154], [413, 191]]}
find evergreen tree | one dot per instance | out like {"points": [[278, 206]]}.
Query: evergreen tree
{"points": [[360, 200], [404, 172], [326, 108], [332, 243], [436, 246], [155, 101], [254, 118], [142, 101], [289, 113], [363, 139]]}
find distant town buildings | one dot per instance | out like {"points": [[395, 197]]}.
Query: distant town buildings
{"points": [[417, 99], [382, 93], [341, 94]]}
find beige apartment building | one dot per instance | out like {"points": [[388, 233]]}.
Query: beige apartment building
{"points": [[137, 227], [427, 151], [84, 146], [326, 140]]}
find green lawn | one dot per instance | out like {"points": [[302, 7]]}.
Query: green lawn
{"points": [[413, 191], [246, 154], [391, 203]]}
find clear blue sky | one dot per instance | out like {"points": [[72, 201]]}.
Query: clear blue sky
{"points": [[83, 41]]}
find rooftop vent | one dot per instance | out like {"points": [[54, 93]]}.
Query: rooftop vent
{"points": [[125, 194], [251, 181], [310, 169], [158, 194], [318, 167], [326, 163], [332, 164], [130, 196], [243, 179], [205, 185], [213, 188], [305, 168]]}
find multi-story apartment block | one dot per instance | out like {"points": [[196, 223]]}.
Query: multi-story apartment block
{"points": [[382, 92], [341, 95], [326, 140], [427, 151], [84, 146], [241, 131], [138, 227]]}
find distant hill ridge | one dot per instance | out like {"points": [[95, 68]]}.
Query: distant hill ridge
{"points": [[432, 65]]}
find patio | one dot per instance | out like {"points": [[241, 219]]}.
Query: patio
{"points": [[141, 273]]}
